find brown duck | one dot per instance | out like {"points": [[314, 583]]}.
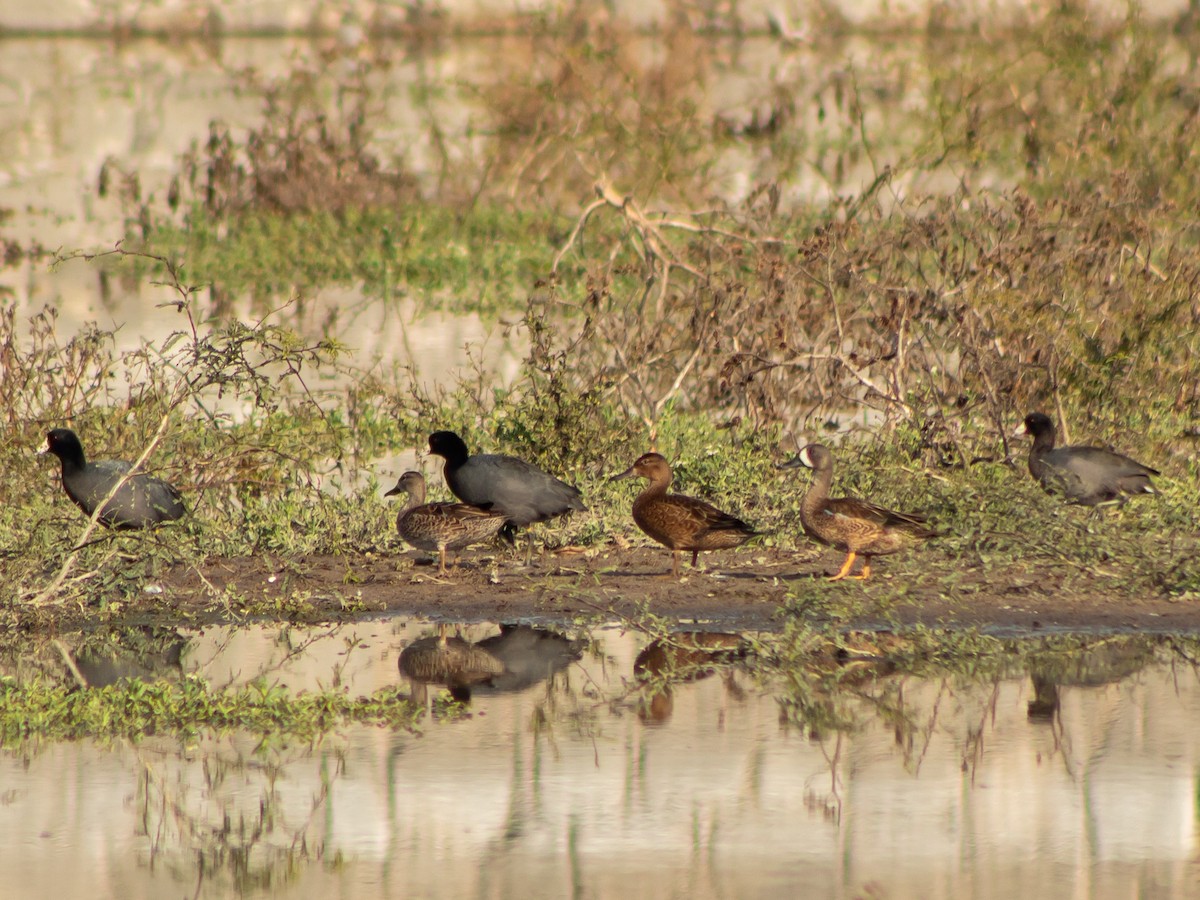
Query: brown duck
{"points": [[441, 526], [856, 526], [679, 522], [451, 661]]}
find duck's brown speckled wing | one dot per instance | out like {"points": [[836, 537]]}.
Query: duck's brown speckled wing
{"points": [[686, 523], [455, 524], [858, 525], [853, 508]]}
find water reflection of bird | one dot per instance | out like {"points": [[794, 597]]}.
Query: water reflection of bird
{"points": [[847, 523], [1108, 661], [451, 661], [683, 657], [530, 655], [677, 521], [140, 502], [145, 653], [688, 655], [1085, 475], [523, 492], [441, 526]]}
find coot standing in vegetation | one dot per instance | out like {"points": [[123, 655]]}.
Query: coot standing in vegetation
{"points": [[677, 521], [856, 526], [523, 492], [1085, 475], [142, 501]]}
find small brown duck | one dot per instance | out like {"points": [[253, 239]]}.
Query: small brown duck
{"points": [[679, 522], [441, 526], [856, 526], [1084, 475], [451, 661]]}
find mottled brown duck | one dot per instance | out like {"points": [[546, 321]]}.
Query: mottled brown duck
{"points": [[451, 661], [856, 526], [679, 522], [441, 526], [1084, 475]]}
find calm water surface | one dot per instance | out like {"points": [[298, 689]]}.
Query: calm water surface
{"points": [[571, 781]]}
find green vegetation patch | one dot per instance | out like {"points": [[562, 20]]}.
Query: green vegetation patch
{"points": [[478, 260], [136, 708]]}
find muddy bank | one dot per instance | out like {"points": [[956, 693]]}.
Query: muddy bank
{"points": [[741, 591]]}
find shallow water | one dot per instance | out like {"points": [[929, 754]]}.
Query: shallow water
{"points": [[1079, 784]]}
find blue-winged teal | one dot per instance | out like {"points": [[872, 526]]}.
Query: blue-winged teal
{"points": [[1086, 475], [855, 526], [140, 502], [441, 526], [679, 522]]}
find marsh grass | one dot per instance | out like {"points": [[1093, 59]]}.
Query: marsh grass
{"points": [[999, 229]]}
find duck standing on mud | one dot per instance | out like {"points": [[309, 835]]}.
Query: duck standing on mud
{"points": [[679, 522], [850, 524], [492, 481], [441, 526], [1084, 475]]}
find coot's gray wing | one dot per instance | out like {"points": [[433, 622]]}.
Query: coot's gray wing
{"points": [[1094, 475], [141, 501], [520, 490]]}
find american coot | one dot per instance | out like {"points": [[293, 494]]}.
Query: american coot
{"points": [[1086, 475], [679, 522], [529, 654], [856, 526], [523, 492], [441, 526], [140, 502]]}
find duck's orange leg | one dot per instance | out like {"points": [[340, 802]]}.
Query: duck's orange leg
{"points": [[846, 566], [866, 570]]}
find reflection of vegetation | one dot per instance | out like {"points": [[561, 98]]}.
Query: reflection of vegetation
{"points": [[94, 658], [133, 708], [845, 682], [219, 838]]}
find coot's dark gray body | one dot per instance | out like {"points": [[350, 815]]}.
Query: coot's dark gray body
{"points": [[530, 655], [140, 502], [523, 492], [1085, 475]]}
